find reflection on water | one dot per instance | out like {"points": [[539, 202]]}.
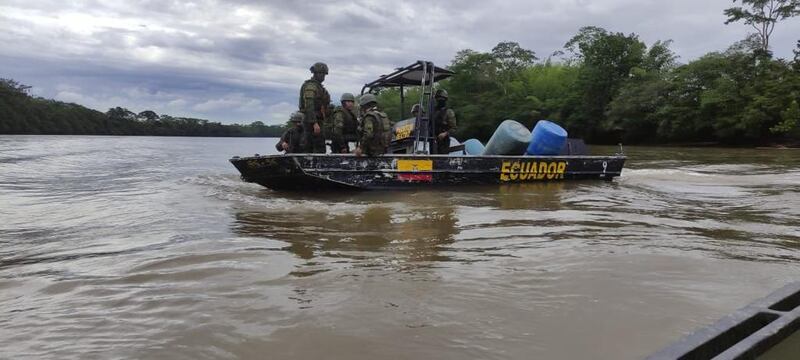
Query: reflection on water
{"points": [[412, 236], [531, 195], [149, 247]]}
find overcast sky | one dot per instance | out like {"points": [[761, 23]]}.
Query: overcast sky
{"points": [[242, 61]]}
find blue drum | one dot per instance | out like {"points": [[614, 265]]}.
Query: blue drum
{"points": [[510, 138], [547, 138], [473, 147]]}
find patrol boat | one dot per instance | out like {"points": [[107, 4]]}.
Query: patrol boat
{"points": [[410, 161]]}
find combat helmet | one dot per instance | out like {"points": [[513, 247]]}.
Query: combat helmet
{"points": [[441, 93], [367, 98], [319, 68], [297, 117], [347, 97]]}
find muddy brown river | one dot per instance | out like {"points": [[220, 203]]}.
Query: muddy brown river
{"points": [[151, 247]]}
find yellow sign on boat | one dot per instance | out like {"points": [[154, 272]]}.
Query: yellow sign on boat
{"points": [[532, 170], [414, 165], [404, 131]]}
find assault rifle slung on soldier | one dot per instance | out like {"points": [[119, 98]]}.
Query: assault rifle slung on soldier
{"points": [[411, 160]]}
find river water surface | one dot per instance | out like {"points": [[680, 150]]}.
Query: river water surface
{"points": [[152, 247]]}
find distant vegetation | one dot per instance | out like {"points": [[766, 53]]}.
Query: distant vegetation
{"points": [[21, 113], [604, 86], [611, 87]]}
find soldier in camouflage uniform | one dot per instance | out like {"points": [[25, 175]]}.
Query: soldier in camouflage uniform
{"points": [[444, 122], [345, 125], [376, 128], [314, 103], [291, 140]]}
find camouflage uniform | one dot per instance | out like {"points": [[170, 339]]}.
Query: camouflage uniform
{"points": [[444, 120], [293, 136], [345, 129], [314, 103], [376, 127]]}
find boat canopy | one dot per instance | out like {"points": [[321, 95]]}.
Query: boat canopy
{"points": [[422, 74], [411, 75]]}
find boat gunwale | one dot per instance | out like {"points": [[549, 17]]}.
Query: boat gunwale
{"points": [[294, 155]]}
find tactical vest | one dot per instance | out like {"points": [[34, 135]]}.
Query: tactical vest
{"points": [[381, 132], [321, 99], [350, 123], [440, 120]]}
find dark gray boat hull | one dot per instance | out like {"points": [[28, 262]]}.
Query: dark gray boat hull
{"points": [[308, 172]]}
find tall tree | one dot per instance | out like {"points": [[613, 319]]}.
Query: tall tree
{"points": [[763, 15], [606, 61], [10, 87], [511, 59]]}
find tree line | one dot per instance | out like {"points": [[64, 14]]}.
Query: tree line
{"points": [[609, 86], [604, 86], [21, 113]]}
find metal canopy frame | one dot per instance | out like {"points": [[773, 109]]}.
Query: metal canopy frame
{"points": [[409, 75], [423, 74]]}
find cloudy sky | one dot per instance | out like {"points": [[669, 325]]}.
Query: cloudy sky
{"points": [[242, 61]]}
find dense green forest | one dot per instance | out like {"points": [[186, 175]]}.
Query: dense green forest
{"points": [[603, 86], [21, 113], [609, 86]]}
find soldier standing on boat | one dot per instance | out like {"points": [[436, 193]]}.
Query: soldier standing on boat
{"points": [[314, 103], [376, 128], [291, 140], [345, 125], [444, 122]]}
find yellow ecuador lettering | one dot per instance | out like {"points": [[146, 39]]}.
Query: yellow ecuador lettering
{"points": [[542, 171], [514, 170], [504, 170], [532, 170], [524, 169], [551, 170]]}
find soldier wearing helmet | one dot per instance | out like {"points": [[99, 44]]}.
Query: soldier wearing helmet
{"points": [[376, 132], [444, 122], [291, 140], [314, 103], [415, 110], [345, 125]]}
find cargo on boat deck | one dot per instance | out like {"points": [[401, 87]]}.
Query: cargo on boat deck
{"points": [[473, 147], [510, 138], [547, 138]]}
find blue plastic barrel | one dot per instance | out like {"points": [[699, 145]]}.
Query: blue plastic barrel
{"points": [[473, 147], [510, 138], [454, 142], [547, 138]]}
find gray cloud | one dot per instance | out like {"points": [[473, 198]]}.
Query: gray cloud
{"points": [[241, 61]]}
